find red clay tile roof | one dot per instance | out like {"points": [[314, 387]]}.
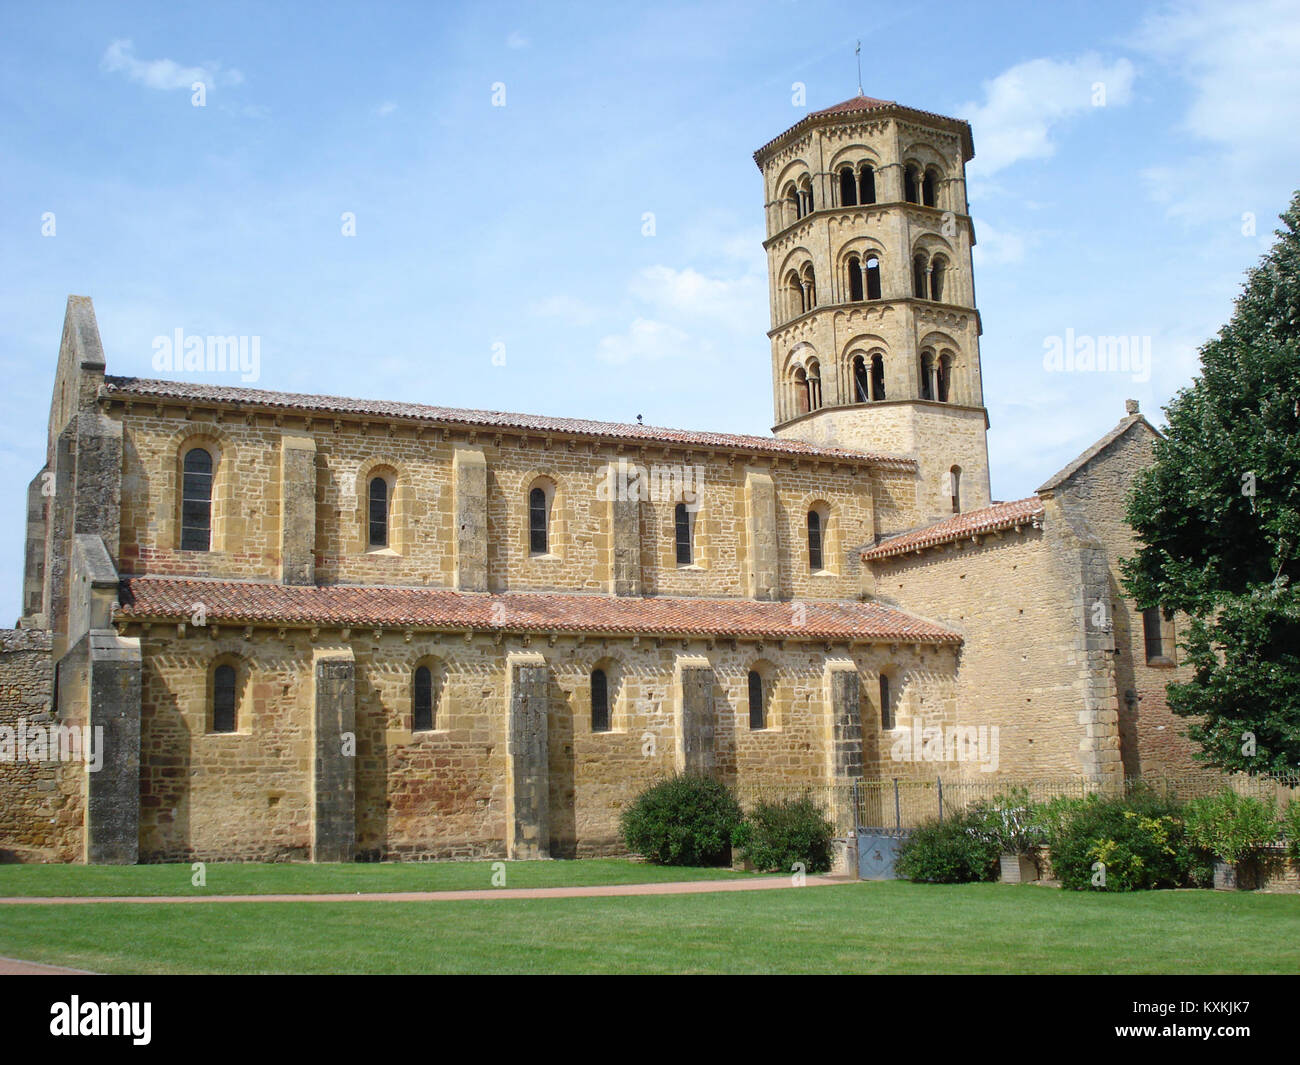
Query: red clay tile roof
{"points": [[858, 103], [870, 103], [959, 526], [142, 388], [169, 598]]}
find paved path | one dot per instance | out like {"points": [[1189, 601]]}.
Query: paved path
{"points": [[14, 967], [679, 887]]}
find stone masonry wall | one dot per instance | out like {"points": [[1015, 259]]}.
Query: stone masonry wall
{"points": [[443, 793], [1154, 741], [247, 538], [1021, 664], [41, 803]]}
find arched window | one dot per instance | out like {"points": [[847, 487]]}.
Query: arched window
{"points": [[793, 212], [911, 182], [807, 197], [943, 376], [955, 474], [538, 531], [599, 701], [873, 278], [1158, 635], [223, 699], [927, 375], [930, 188], [801, 391], [814, 541], [937, 273], [877, 377], [886, 704], [196, 501], [861, 380], [422, 700], [757, 704], [848, 188], [855, 278], [378, 525], [794, 293], [867, 185], [918, 276], [683, 525], [814, 386], [809, 288]]}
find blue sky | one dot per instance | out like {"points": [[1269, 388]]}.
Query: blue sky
{"points": [[481, 225]]}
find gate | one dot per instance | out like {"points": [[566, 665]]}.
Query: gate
{"points": [[877, 851]]}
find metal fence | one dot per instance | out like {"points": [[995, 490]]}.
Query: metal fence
{"points": [[904, 804]]}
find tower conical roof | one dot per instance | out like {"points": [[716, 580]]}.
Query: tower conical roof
{"points": [[857, 103]]}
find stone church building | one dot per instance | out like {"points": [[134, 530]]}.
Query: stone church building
{"points": [[323, 628]]}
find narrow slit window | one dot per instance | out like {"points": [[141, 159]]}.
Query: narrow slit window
{"points": [[682, 522], [599, 701], [886, 705], [538, 538], [757, 709], [223, 699], [1158, 635], [378, 532], [196, 501], [422, 716], [814, 541]]}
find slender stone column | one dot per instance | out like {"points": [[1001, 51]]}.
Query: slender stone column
{"points": [[528, 785], [696, 753], [469, 484], [297, 509], [763, 569], [334, 824]]}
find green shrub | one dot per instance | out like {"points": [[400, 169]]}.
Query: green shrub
{"points": [[778, 834], [953, 851], [1140, 840], [1291, 829], [1232, 827], [1011, 822], [683, 820]]}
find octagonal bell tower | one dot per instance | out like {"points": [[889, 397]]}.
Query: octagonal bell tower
{"points": [[875, 335]]}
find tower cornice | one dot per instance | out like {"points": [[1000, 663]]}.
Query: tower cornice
{"points": [[830, 212], [864, 108], [921, 307]]}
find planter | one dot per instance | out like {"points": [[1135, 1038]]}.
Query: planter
{"points": [[1018, 869]]}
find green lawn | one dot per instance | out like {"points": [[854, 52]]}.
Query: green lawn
{"points": [[285, 878], [892, 927]]}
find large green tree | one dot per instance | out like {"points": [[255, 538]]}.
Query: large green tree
{"points": [[1218, 518]]}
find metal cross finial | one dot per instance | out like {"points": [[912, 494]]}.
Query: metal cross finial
{"points": [[858, 52]]}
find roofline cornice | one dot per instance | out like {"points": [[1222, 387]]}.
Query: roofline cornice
{"points": [[895, 111]]}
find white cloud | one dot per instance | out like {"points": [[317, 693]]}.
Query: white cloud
{"points": [[995, 246], [385, 109], [1242, 62], [734, 304], [565, 307], [517, 40], [1023, 104], [164, 74], [644, 341]]}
